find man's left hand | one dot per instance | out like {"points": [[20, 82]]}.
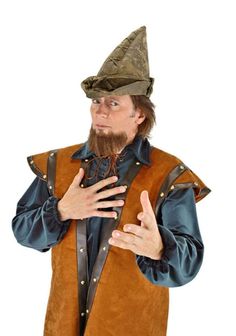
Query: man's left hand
{"points": [[143, 240]]}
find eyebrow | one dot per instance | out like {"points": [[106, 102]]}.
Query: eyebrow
{"points": [[113, 97]]}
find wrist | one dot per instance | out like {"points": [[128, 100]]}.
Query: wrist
{"points": [[62, 214], [158, 253]]}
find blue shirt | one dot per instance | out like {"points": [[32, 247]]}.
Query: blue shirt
{"points": [[37, 224]]}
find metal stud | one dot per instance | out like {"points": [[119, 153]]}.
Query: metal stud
{"points": [[50, 187], [87, 311], [82, 185], [94, 279], [104, 248], [196, 184], [81, 249], [137, 163], [82, 282], [181, 167], [172, 187], [86, 160], [82, 314], [162, 194], [52, 154], [44, 176], [32, 162]]}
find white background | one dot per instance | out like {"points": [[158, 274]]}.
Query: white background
{"points": [[47, 49]]}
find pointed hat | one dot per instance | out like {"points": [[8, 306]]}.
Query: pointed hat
{"points": [[125, 71]]}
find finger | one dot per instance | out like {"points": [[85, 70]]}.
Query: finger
{"points": [[110, 192], [145, 216], [135, 229], [103, 183], [128, 238], [121, 244], [78, 178], [145, 202], [104, 214], [109, 204], [147, 220]]}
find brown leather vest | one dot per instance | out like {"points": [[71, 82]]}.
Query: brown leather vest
{"points": [[119, 300]]}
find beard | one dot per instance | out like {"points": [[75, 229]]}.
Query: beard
{"points": [[109, 144]]}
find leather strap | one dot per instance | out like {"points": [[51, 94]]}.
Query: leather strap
{"points": [[82, 263], [51, 171], [168, 182]]}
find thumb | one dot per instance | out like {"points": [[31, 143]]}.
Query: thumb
{"points": [[78, 178], [147, 217], [145, 202]]}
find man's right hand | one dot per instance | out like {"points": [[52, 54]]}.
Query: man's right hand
{"points": [[80, 203]]}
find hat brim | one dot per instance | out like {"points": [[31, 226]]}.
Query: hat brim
{"points": [[97, 87]]}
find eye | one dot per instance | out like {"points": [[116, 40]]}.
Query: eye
{"points": [[95, 101], [113, 103]]}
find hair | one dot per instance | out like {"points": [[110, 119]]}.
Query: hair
{"points": [[147, 107]]}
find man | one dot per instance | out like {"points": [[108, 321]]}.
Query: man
{"points": [[118, 214]]}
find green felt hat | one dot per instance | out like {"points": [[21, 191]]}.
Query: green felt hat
{"points": [[124, 72]]}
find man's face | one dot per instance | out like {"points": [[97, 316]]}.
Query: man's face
{"points": [[115, 114], [114, 124]]}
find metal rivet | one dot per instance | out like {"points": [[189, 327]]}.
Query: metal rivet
{"points": [[181, 167], [87, 311], [82, 282], [162, 194], [196, 184], [51, 154], [81, 250], [44, 176], [137, 163], [172, 187], [31, 162], [116, 217], [104, 248], [94, 279], [86, 160], [50, 187], [82, 185], [82, 314]]}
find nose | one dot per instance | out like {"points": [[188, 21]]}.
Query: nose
{"points": [[102, 110]]}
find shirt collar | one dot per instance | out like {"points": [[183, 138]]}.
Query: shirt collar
{"points": [[140, 147]]}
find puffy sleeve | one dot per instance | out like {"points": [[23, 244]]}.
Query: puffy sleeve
{"points": [[183, 246], [36, 223]]}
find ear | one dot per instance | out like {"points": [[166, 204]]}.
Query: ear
{"points": [[140, 117]]}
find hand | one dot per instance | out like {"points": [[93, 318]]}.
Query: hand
{"points": [[143, 240], [79, 203]]}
